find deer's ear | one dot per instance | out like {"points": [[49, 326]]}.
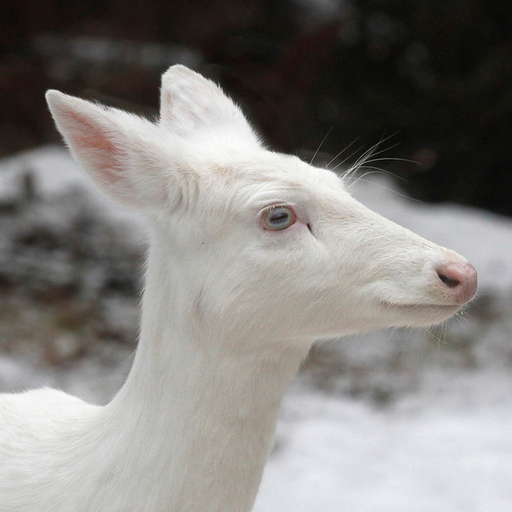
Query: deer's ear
{"points": [[190, 103], [114, 147]]}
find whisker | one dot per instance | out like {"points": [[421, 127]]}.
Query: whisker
{"points": [[372, 152], [370, 170], [369, 154], [320, 145], [438, 339], [379, 170], [390, 189], [345, 159], [341, 152], [393, 159]]}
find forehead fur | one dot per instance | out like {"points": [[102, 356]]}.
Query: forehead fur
{"points": [[263, 178], [230, 175]]}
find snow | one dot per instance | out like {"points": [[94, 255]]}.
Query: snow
{"points": [[395, 421], [432, 451]]}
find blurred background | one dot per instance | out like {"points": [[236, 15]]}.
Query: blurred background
{"points": [[426, 83], [433, 75]]}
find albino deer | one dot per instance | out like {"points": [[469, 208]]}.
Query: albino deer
{"points": [[254, 255]]}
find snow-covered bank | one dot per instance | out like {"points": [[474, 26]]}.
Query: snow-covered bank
{"points": [[447, 449], [409, 423]]}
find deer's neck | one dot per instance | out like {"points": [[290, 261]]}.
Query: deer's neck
{"points": [[194, 422]]}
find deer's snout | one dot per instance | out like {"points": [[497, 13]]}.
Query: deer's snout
{"points": [[461, 279]]}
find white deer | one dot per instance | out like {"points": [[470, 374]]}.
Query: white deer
{"points": [[254, 255]]}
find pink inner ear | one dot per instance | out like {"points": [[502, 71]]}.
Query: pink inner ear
{"points": [[91, 141]]}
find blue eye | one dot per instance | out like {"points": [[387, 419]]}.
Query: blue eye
{"points": [[277, 218]]}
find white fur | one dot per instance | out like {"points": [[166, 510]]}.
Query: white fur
{"points": [[229, 310]]}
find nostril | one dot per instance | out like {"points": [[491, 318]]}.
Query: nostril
{"points": [[461, 279], [451, 282]]}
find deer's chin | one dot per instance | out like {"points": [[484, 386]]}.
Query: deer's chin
{"points": [[417, 315]]}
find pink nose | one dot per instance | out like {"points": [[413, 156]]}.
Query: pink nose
{"points": [[461, 278]]}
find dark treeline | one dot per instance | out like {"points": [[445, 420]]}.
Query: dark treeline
{"points": [[434, 75]]}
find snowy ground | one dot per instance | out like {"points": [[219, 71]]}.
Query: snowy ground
{"points": [[395, 421]]}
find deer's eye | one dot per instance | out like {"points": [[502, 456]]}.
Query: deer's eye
{"points": [[277, 218]]}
